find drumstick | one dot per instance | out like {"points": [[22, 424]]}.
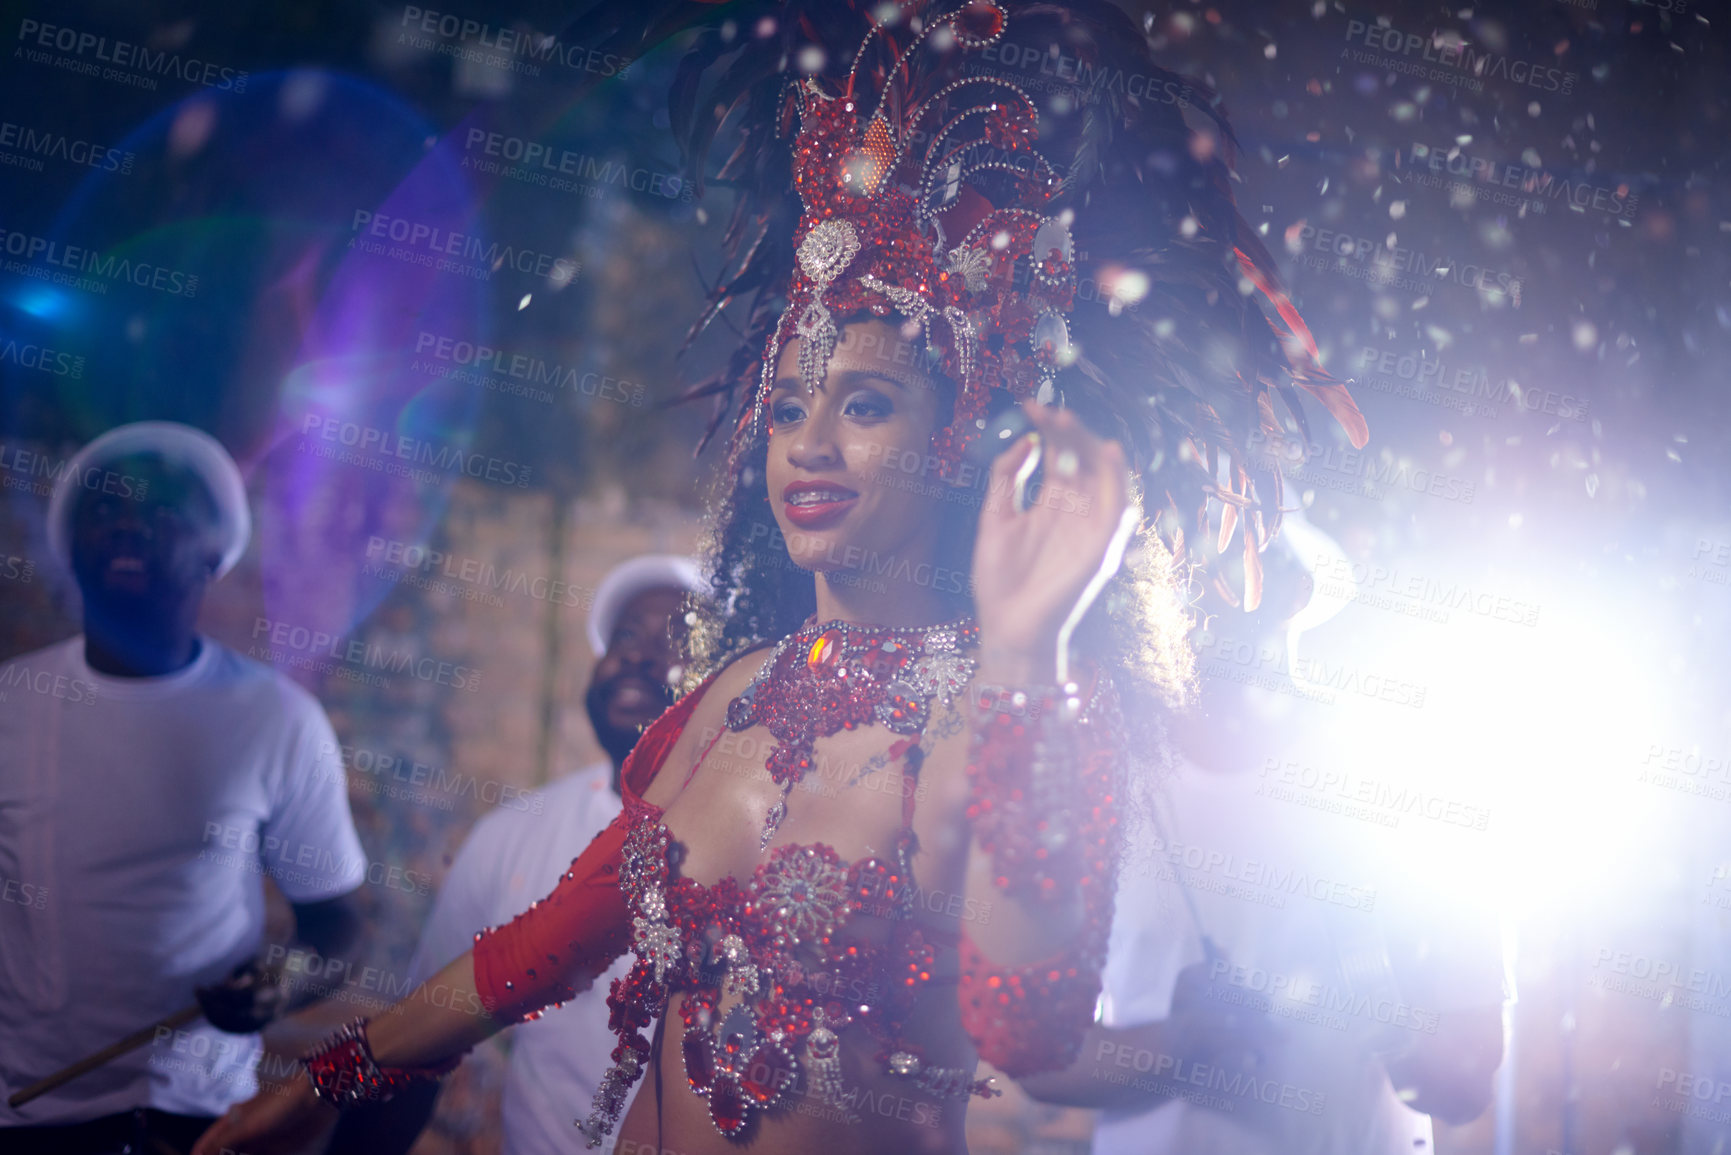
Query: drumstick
{"points": [[107, 1054]]}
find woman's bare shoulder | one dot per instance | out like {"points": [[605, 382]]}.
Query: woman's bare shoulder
{"points": [[704, 723], [728, 683]]}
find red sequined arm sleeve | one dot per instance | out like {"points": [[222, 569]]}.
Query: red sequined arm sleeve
{"points": [[1043, 769], [555, 949]]}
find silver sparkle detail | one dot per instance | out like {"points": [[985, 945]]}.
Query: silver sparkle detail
{"points": [[825, 252], [654, 940]]}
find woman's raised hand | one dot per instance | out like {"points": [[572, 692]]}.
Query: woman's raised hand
{"points": [[1032, 566]]}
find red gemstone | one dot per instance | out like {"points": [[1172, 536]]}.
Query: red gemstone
{"points": [[981, 20], [824, 651], [699, 1064], [770, 1072], [727, 1107]]}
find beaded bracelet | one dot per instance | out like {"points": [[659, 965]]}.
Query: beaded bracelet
{"points": [[343, 1071], [1022, 771]]}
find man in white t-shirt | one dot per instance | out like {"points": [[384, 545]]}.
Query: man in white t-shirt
{"points": [[1273, 986], [1289, 1031], [515, 856], [149, 779]]}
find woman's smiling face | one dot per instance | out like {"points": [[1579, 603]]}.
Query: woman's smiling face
{"points": [[850, 467]]}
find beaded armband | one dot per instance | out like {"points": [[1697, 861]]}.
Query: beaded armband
{"points": [[1041, 771], [1031, 804], [342, 1069]]}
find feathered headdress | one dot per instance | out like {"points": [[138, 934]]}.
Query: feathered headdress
{"points": [[890, 159], [892, 222]]}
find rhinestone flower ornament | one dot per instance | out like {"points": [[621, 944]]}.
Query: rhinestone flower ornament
{"points": [[805, 888]]}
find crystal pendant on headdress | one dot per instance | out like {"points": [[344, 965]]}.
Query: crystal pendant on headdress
{"points": [[963, 332], [827, 249]]}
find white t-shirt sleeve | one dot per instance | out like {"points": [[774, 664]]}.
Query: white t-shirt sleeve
{"points": [[465, 900], [1147, 949], [310, 847]]}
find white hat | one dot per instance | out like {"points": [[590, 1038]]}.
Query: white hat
{"points": [[628, 579], [180, 444]]}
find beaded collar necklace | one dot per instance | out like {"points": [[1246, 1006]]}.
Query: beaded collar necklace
{"points": [[832, 676]]}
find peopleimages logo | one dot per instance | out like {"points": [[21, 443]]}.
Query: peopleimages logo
{"points": [[39, 473], [127, 62], [33, 145], [1531, 181], [48, 683], [443, 250], [1468, 389], [381, 773], [1382, 264], [481, 364], [1073, 73], [1384, 797], [76, 265], [1263, 882], [1371, 475], [1335, 1002], [294, 644], [412, 557], [383, 450], [41, 358], [563, 170], [535, 48], [1449, 52], [1341, 577]]}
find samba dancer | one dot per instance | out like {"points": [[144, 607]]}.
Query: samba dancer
{"points": [[968, 735]]}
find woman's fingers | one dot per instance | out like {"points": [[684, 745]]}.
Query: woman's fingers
{"points": [[1081, 474], [1001, 494], [1084, 474]]}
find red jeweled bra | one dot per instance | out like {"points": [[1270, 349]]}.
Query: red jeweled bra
{"points": [[780, 941]]}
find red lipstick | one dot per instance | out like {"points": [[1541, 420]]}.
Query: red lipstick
{"points": [[817, 504]]}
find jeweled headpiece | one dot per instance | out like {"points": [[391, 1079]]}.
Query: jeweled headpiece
{"points": [[896, 173], [929, 206]]}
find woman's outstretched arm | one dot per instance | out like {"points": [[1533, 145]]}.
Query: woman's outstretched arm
{"points": [[440, 1019], [545, 955]]}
